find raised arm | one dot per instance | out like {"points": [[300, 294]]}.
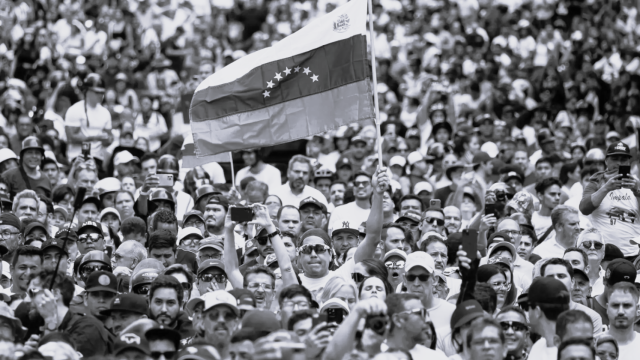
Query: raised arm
{"points": [[263, 219], [593, 194], [366, 250], [231, 263]]}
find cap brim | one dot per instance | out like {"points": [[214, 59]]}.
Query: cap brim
{"points": [[53, 246], [191, 304], [406, 218], [102, 288], [209, 246], [131, 346], [348, 231], [406, 269], [202, 269], [232, 307], [619, 153], [465, 319]]}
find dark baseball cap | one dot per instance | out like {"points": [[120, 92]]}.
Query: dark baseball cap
{"points": [[101, 281], [219, 200], [312, 201], [580, 272], [618, 148], [131, 341], [343, 161], [411, 216], [63, 233], [620, 270], [260, 321], [35, 225], [199, 352], [129, 302], [196, 213], [548, 291], [209, 263], [11, 219], [55, 243], [465, 312], [162, 332], [90, 225], [245, 299]]}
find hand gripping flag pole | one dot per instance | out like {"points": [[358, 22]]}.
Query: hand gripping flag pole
{"points": [[375, 81]]}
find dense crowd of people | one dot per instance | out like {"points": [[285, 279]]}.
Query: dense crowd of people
{"points": [[500, 222]]}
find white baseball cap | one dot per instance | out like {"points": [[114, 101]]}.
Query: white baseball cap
{"points": [[124, 157], [109, 210], [107, 185], [422, 186], [395, 252], [6, 271], [219, 297], [189, 230], [419, 258], [414, 157], [398, 160]]}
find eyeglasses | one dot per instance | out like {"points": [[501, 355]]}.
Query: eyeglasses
{"points": [[166, 354], [515, 325], [421, 277], [588, 245], [186, 285], [262, 240], [357, 277], [7, 233], [302, 305], [89, 269], [430, 220], [501, 286], [422, 312], [256, 286], [89, 238], [217, 256], [190, 242], [361, 183], [194, 224], [219, 278], [394, 265], [410, 225], [142, 289], [317, 248]]}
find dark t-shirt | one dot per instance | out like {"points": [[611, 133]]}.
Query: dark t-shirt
{"points": [[244, 267], [443, 194], [187, 258], [18, 183], [595, 306]]}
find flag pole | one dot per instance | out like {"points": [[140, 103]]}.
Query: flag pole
{"points": [[233, 175], [375, 81]]}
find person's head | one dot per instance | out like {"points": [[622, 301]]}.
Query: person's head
{"points": [[437, 249], [511, 227], [90, 237], [63, 195], [148, 164], [336, 192], [575, 349], [560, 270], [395, 236], [339, 288], [184, 277], [26, 204], [261, 281], [418, 277], [299, 172], [10, 231], [452, 219], [128, 255], [124, 202], [220, 317], [165, 300], [516, 329], [26, 262], [292, 299], [50, 168], [486, 340], [546, 300], [134, 228], [89, 210], [343, 237], [362, 186], [52, 252], [289, 219], [573, 324], [314, 253], [256, 192], [498, 278], [101, 288], [578, 258], [86, 177], [521, 159], [375, 286], [410, 202], [622, 308], [62, 290], [592, 242], [544, 166], [566, 222], [215, 213], [211, 276], [111, 218], [607, 347], [617, 154], [301, 323], [162, 247], [549, 190], [408, 316], [313, 213]]}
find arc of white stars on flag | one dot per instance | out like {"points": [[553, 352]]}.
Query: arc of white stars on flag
{"points": [[287, 71]]}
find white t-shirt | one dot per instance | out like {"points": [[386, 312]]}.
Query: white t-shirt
{"points": [[99, 121], [289, 198], [269, 175], [631, 350], [351, 213], [541, 224], [423, 352], [316, 286], [440, 316], [617, 218], [539, 350]]}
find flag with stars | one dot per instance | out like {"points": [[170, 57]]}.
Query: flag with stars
{"points": [[312, 81]]}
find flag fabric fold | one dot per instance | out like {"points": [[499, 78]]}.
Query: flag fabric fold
{"points": [[315, 80]]}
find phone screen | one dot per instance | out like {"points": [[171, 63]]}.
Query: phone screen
{"points": [[470, 243], [624, 170]]}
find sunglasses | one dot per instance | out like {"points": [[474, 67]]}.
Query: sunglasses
{"points": [[89, 237], [186, 286], [190, 242], [422, 312], [317, 248], [166, 354], [502, 196], [89, 269], [394, 265], [219, 278], [596, 245], [421, 277], [142, 289], [430, 220], [361, 183], [262, 240], [357, 277], [515, 325]]}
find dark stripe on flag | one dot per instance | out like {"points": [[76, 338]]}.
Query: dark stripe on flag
{"points": [[325, 68]]}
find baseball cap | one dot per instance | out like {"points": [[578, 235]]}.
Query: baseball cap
{"points": [[413, 132], [7, 313], [465, 312], [426, 235], [618, 148], [244, 298], [249, 247], [210, 263], [109, 210], [101, 281], [358, 138], [220, 200], [344, 226], [212, 242], [196, 213], [334, 303], [131, 341], [503, 245], [498, 234], [184, 232], [54, 243], [414, 157], [35, 225], [260, 321], [199, 352], [343, 161], [395, 252], [580, 272], [481, 157], [419, 258], [422, 186], [511, 175], [620, 270], [317, 233], [312, 201], [549, 291], [60, 209], [124, 157], [11, 219], [129, 302], [64, 232], [398, 160], [219, 297], [410, 215], [613, 134], [90, 225], [163, 333], [108, 185], [271, 259]]}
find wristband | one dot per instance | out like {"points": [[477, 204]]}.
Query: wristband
{"points": [[273, 234]]}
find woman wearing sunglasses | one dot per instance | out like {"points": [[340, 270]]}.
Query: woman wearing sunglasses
{"points": [[592, 242]]}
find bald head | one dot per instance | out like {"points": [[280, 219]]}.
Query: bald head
{"points": [[452, 219], [129, 254], [512, 228]]}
